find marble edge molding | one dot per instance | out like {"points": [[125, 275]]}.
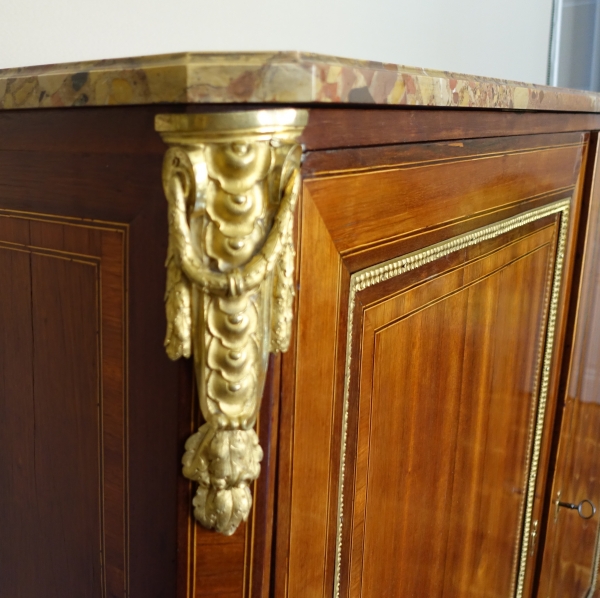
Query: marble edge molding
{"points": [[271, 77]]}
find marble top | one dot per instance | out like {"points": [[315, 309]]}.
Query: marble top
{"points": [[281, 77]]}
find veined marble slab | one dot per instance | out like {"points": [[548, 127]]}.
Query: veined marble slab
{"points": [[283, 77]]}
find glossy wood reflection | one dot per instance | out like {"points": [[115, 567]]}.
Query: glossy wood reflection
{"points": [[450, 398], [573, 568], [445, 369], [571, 558]]}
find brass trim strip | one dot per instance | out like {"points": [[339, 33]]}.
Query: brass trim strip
{"points": [[411, 261]]}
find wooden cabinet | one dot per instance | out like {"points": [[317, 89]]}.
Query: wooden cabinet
{"points": [[440, 387]]}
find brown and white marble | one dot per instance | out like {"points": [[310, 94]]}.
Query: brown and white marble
{"points": [[284, 77]]}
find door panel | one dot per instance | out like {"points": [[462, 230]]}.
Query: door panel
{"points": [[571, 559], [442, 439], [430, 318]]}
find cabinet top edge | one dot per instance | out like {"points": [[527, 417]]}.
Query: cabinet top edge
{"points": [[271, 77]]}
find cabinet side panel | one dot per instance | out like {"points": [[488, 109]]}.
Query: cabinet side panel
{"points": [[423, 195], [314, 442], [71, 315], [101, 168], [51, 420]]}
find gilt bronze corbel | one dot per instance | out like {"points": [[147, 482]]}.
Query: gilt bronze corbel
{"points": [[232, 181]]}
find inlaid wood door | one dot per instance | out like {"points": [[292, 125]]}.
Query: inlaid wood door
{"points": [[571, 560], [418, 397]]}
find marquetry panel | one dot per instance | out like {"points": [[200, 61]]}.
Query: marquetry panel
{"points": [[446, 400], [63, 477], [82, 168], [420, 390]]}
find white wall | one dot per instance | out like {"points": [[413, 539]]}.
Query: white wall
{"points": [[576, 51], [494, 38]]}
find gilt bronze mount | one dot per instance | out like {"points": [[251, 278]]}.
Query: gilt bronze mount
{"points": [[232, 181]]}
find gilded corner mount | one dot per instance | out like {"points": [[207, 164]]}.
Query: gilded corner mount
{"points": [[231, 181]]}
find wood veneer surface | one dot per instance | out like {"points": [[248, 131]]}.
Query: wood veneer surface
{"points": [[63, 172], [353, 217], [73, 188], [571, 544], [104, 165], [73, 315], [446, 438]]}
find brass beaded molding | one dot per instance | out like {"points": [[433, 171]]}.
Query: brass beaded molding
{"points": [[397, 266], [231, 180]]}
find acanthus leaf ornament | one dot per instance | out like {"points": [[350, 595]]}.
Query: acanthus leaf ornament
{"points": [[231, 181]]}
